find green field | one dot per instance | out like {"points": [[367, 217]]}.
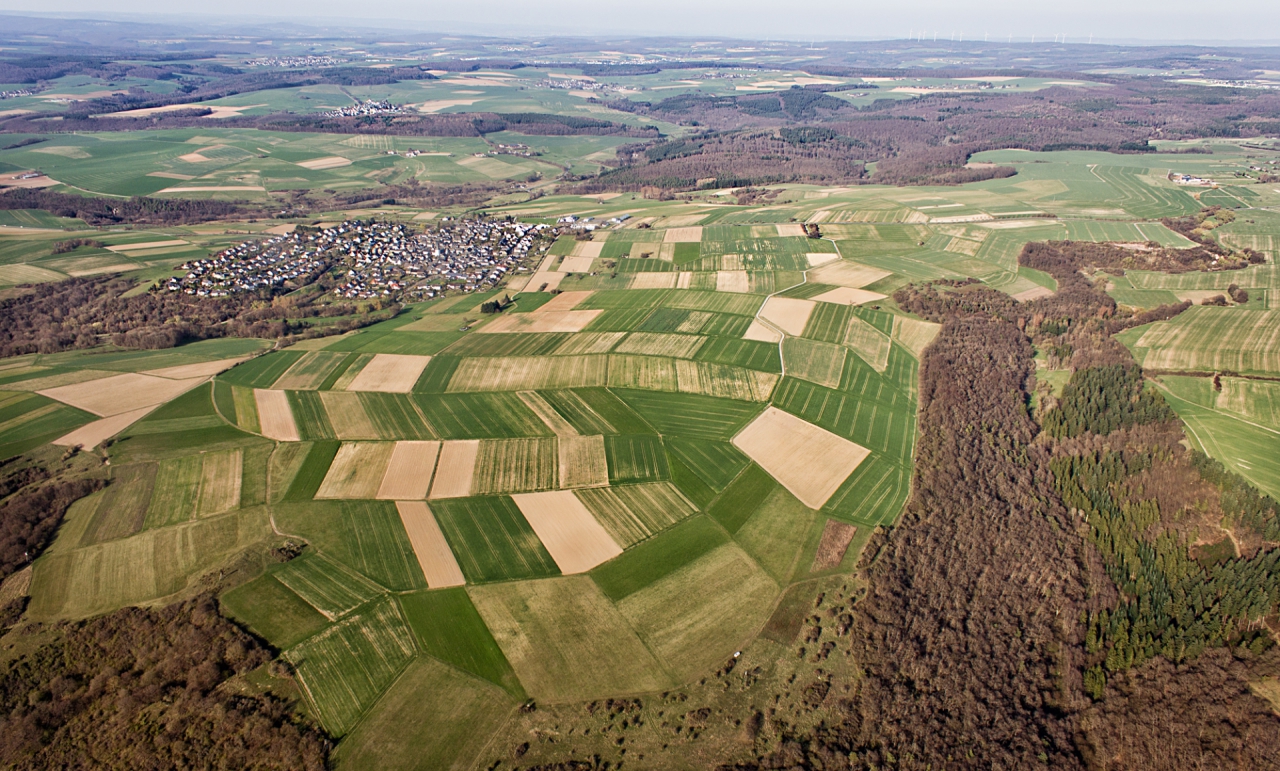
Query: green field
{"points": [[491, 539]]}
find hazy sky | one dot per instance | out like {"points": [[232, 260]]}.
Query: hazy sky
{"points": [[1163, 20]]}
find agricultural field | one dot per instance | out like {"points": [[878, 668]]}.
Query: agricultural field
{"points": [[603, 492]]}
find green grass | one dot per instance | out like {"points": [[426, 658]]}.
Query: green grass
{"points": [[122, 510], [345, 668], [449, 628], [1250, 449], [431, 717], [29, 420], [479, 416], [690, 415], [596, 411], [742, 497], [262, 371], [776, 534], [366, 536], [325, 585], [1211, 339], [827, 322], [635, 458], [310, 473], [435, 378], [491, 539], [874, 493], [273, 611], [550, 629], [715, 463], [416, 343], [516, 344], [632, 513], [177, 488], [394, 416], [657, 557], [310, 416], [751, 354]]}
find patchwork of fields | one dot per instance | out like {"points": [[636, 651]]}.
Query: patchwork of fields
{"points": [[710, 409]]}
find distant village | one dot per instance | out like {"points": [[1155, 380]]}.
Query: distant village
{"points": [[295, 61], [368, 107], [383, 260]]}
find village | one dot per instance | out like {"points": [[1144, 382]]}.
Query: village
{"points": [[382, 260], [367, 107]]}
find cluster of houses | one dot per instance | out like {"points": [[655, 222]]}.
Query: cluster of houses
{"points": [[388, 260], [17, 92], [574, 84], [295, 61], [382, 260], [367, 107]]}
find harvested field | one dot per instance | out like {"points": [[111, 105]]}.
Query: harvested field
{"points": [[787, 314], [455, 469], [632, 513], [809, 461], [275, 415], [790, 229], [836, 537], [330, 162], [690, 235], [914, 335], [587, 249], [816, 259], [576, 264], [409, 472], [347, 416], [201, 370], [541, 321], [92, 434], [821, 363], [548, 629], [761, 333], [1038, 292], [573, 538], [437, 560], [565, 301], [582, 461], [514, 465], [121, 393], [847, 274], [660, 344], [389, 373], [733, 281], [847, 296], [655, 280], [521, 373], [547, 414], [869, 343], [220, 481], [357, 470]]}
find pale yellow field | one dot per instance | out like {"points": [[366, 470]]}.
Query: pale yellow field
{"points": [[357, 470], [1036, 293], [221, 473], [455, 469], [347, 415], [576, 264], [437, 560], [588, 249], [844, 273], [582, 462], [691, 235], [409, 471], [655, 280], [92, 434], [547, 414], [61, 379], [331, 162], [541, 321], [345, 380], [573, 538], [390, 373], [733, 281], [724, 381], [122, 393], [585, 343], [516, 373], [914, 335], [565, 301], [847, 296], [787, 314], [661, 344], [201, 370], [685, 280], [808, 460], [817, 362], [275, 416], [820, 258], [644, 372], [795, 229], [762, 333], [869, 343]]}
